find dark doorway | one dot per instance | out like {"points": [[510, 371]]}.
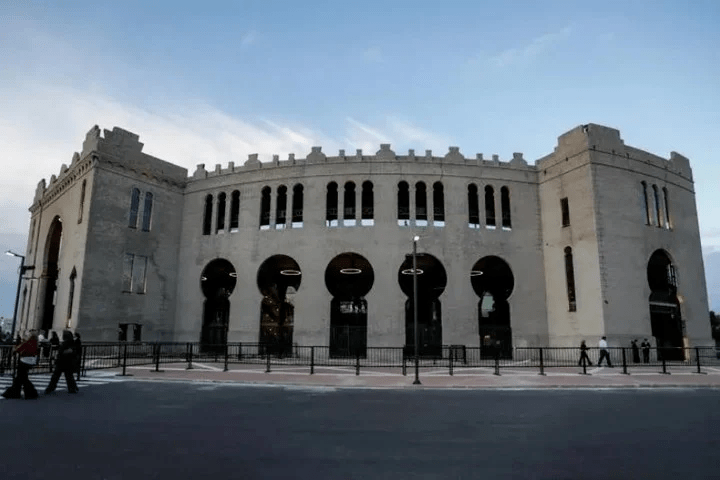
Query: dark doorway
{"points": [[493, 281], [217, 281], [278, 279], [665, 318], [348, 277], [431, 282], [50, 273]]}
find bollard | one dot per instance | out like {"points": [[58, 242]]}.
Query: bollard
{"points": [[267, 359], [357, 362], [664, 366], [697, 358], [158, 346], [189, 355], [404, 365], [124, 362], [226, 358], [542, 363], [497, 363], [312, 360], [625, 371], [450, 362]]}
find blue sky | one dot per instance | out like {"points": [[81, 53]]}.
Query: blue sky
{"points": [[210, 82]]}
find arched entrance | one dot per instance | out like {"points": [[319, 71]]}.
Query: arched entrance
{"points": [[431, 282], [49, 277], [278, 279], [665, 318], [493, 281], [217, 282], [348, 277]]}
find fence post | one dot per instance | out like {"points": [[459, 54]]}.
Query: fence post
{"points": [[542, 362], [158, 346], [450, 361], [239, 351], [267, 359], [124, 361], [624, 362], [497, 363], [312, 360], [226, 358], [404, 364], [697, 358], [189, 355], [357, 362], [664, 366]]}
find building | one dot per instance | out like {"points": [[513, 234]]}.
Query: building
{"points": [[596, 238]]}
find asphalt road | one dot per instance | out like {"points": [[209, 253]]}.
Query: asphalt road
{"points": [[153, 430]]}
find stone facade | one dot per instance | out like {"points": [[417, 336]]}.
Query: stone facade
{"points": [[143, 243]]}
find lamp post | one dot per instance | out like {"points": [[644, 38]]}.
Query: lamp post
{"points": [[415, 312], [23, 269]]}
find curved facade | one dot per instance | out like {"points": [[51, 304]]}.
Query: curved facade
{"points": [[318, 251]]}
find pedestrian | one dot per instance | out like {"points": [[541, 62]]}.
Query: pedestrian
{"points": [[646, 350], [65, 364], [584, 359], [635, 351], [603, 352], [44, 344], [78, 353], [54, 345], [27, 352]]}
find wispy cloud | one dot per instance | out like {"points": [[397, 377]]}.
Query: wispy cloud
{"points": [[248, 38], [525, 53], [373, 55]]}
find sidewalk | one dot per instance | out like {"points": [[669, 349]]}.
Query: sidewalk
{"points": [[470, 378]]}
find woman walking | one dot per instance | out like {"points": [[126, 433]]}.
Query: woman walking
{"points": [[65, 364], [27, 351], [583, 354]]}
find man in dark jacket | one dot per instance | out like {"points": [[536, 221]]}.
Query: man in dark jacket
{"points": [[65, 364]]}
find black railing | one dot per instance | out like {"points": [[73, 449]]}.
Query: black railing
{"points": [[454, 358]]}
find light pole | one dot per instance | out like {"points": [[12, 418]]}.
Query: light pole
{"points": [[23, 269], [415, 312]]}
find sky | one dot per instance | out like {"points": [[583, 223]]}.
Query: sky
{"points": [[211, 82]]}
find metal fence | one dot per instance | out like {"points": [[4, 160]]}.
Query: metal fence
{"points": [[450, 358]]}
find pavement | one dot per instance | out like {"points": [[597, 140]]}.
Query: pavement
{"points": [[430, 377]]}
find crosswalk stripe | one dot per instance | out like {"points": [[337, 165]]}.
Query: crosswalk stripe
{"points": [[42, 381]]}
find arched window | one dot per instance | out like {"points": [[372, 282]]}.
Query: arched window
{"points": [[297, 206], [667, 208], [505, 207], [82, 201], [646, 206], [489, 207], [220, 220], [438, 205], [403, 204], [281, 207], [234, 211], [207, 216], [147, 212], [331, 205], [570, 279], [265, 208], [420, 205], [656, 207], [134, 206], [473, 207], [71, 296], [367, 208], [349, 205]]}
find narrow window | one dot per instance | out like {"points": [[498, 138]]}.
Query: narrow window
{"points": [[570, 279], [220, 213], [281, 208], [134, 205], [489, 207], [646, 206], [137, 332], [420, 205], [656, 205], [147, 212], [367, 213], [234, 211], [265, 208], [349, 205], [438, 205], [122, 332], [32, 237], [473, 207], [297, 206], [331, 205], [127, 272], [207, 216], [667, 208], [505, 208], [71, 294], [82, 201], [403, 204], [139, 273], [565, 207]]}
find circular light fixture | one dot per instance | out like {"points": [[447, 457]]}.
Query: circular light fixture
{"points": [[290, 272], [233, 274], [416, 238], [202, 279], [476, 273], [409, 271], [350, 271]]}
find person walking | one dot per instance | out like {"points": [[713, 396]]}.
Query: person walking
{"points": [[27, 352], [603, 352], [65, 364], [584, 359], [635, 351], [54, 345], [646, 350]]}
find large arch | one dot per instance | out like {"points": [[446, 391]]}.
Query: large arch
{"points": [[493, 281], [348, 277], [431, 282], [49, 276], [217, 282], [665, 317], [278, 279]]}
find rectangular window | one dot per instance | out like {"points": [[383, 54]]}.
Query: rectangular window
{"points": [[127, 272], [139, 274], [565, 207]]}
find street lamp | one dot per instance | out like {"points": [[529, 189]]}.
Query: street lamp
{"points": [[23, 269], [415, 312]]}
